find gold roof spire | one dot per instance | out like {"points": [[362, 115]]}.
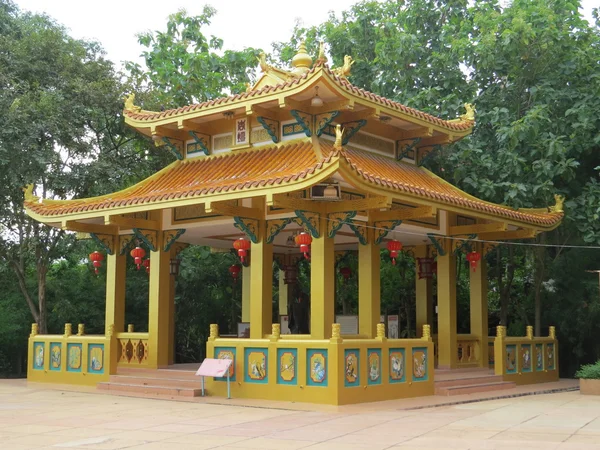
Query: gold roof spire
{"points": [[302, 61]]}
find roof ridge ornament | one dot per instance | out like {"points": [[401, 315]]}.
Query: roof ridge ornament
{"points": [[344, 71], [129, 105], [470, 113], [558, 206], [302, 61], [322, 58], [28, 193], [262, 60], [339, 135]]}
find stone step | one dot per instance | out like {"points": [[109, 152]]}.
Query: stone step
{"points": [[474, 388], [157, 381], [148, 390], [466, 381], [158, 373]]}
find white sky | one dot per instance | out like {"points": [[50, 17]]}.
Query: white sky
{"points": [[239, 23]]}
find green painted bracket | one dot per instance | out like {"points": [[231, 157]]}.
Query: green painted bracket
{"points": [[148, 237], [410, 147], [126, 243], [303, 119], [436, 244], [351, 130], [169, 238], [275, 226], [429, 155], [172, 148], [383, 228], [322, 121], [466, 244], [247, 226], [270, 126], [200, 141], [360, 231], [309, 222], [335, 221], [104, 244]]}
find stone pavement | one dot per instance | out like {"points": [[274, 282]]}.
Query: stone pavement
{"points": [[37, 416]]}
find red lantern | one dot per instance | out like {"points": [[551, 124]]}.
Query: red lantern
{"points": [[234, 270], [242, 246], [96, 259], [473, 258], [394, 247], [304, 240], [146, 264], [138, 254], [346, 273]]}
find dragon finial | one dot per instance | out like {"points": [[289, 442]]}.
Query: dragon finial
{"points": [[28, 191], [558, 206], [262, 60], [339, 134], [322, 58], [469, 115], [129, 106], [344, 71]]}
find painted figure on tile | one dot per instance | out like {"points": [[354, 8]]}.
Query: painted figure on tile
{"points": [[39, 356], [97, 356], [397, 366], [539, 358], [287, 366], [351, 371], [317, 372], [510, 360], [526, 359], [550, 357], [420, 364], [374, 366], [258, 369], [75, 357], [227, 354], [55, 357]]}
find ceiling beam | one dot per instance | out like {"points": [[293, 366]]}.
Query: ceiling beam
{"points": [[71, 225], [477, 228], [508, 235], [403, 214], [229, 209], [131, 223], [159, 131], [420, 132]]}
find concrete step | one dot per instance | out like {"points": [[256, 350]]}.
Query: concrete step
{"points": [[465, 381], [158, 373], [474, 388], [149, 390], [157, 381]]}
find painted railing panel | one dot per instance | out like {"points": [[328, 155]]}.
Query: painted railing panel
{"points": [[333, 371], [69, 359], [526, 360], [132, 349]]}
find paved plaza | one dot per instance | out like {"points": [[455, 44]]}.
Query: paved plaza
{"points": [[36, 416]]}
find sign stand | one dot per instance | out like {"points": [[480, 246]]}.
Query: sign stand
{"points": [[215, 368]]}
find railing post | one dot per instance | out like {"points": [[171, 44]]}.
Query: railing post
{"points": [[68, 330], [130, 328], [336, 333], [499, 351], [426, 333], [275, 332], [214, 332], [81, 330], [529, 332], [552, 332], [35, 330], [381, 332]]}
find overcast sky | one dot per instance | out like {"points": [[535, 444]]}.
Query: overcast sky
{"points": [[115, 23]]}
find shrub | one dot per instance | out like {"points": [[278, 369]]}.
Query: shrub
{"points": [[589, 371]]}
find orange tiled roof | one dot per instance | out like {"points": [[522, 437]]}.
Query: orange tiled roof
{"points": [[341, 82], [419, 182], [234, 171]]}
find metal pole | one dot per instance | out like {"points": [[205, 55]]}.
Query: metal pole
{"points": [[203, 386], [228, 385]]}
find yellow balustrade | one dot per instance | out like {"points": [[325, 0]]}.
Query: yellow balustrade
{"points": [[526, 359], [469, 350], [69, 359], [333, 371], [132, 349]]}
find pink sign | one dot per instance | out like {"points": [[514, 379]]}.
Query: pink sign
{"points": [[214, 367]]}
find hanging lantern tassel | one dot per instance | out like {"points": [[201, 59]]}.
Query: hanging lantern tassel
{"points": [[234, 270], [394, 247], [138, 254], [242, 246], [96, 259], [346, 273], [146, 264], [473, 258], [304, 240]]}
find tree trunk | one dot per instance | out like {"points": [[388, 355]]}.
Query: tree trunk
{"points": [[505, 286], [42, 270], [19, 272]]}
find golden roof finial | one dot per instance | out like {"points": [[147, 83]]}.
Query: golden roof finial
{"points": [[28, 193], [302, 61], [558, 207], [129, 106], [339, 134], [344, 71], [262, 60], [322, 58], [470, 114]]}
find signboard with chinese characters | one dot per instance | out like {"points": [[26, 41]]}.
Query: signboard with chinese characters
{"points": [[241, 131], [393, 327]]}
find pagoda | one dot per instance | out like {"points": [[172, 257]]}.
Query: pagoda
{"points": [[303, 156]]}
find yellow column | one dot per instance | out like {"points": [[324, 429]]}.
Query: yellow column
{"points": [[115, 292], [246, 294], [172, 284], [424, 294], [261, 287], [322, 290], [446, 293], [158, 309], [369, 289], [479, 307], [283, 294]]}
